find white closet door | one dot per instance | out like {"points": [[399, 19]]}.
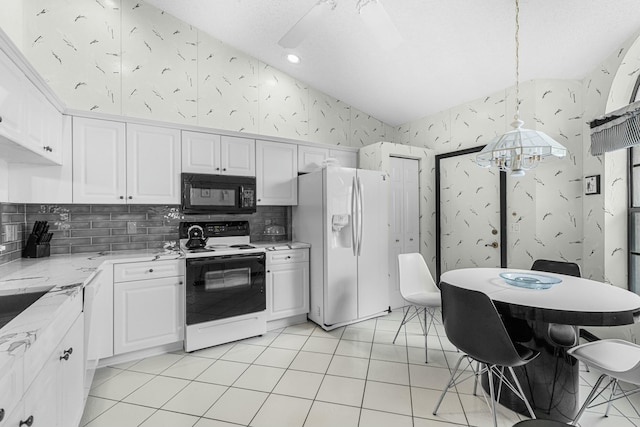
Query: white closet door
{"points": [[404, 218]]}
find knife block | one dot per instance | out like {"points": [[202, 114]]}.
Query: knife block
{"points": [[35, 250]]}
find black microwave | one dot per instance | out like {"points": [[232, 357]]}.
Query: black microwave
{"points": [[225, 194]]}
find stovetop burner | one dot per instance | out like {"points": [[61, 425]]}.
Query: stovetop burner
{"points": [[220, 238]]}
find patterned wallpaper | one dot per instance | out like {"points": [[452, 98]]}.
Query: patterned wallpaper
{"points": [[545, 204], [128, 58]]}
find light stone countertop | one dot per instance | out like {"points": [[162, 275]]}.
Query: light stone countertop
{"points": [[65, 276]]}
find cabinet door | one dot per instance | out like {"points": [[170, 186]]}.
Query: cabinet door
{"points": [[238, 156], [347, 159], [70, 356], [34, 125], [98, 161], [42, 400], [200, 152], [12, 101], [287, 290], [276, 173], [153, 165], [53, 127], [310, 158], [147, 313]]}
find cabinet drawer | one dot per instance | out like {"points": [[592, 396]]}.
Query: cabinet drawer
{"points": [[41, 350], [287, 256], [147, 270]]}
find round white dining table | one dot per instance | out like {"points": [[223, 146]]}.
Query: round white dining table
{"points": [[552, 379]]}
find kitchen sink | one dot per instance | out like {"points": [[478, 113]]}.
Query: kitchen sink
{"points": [[14, 304]]}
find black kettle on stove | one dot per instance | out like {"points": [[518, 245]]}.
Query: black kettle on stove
{"points": [[196, 238]]}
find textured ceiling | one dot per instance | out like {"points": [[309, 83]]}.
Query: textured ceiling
{"points": [[453, 51]]}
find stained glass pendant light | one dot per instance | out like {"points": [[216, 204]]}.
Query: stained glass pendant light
{"points": [[520, 149]]}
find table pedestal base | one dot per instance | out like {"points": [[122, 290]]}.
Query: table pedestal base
{"points": [[550, 381]]}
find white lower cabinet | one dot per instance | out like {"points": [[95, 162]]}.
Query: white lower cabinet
{"points": [[55, 397], [147, 312], [287, 283]]}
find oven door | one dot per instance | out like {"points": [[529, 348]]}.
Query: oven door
{"points": [[225, 286]]}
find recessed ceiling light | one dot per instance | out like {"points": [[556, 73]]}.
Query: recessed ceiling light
{"points": [[293, 58]]}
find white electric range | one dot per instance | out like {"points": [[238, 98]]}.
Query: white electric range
{"points": [[225, 296]]}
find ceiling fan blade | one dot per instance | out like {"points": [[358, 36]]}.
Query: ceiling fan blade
{"points": [[301, 29], [376, 18]]}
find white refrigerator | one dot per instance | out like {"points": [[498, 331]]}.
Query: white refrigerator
{"points": [[343, 214]]}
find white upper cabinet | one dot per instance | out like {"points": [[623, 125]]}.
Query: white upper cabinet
{"points": [[99, 161], [118, 163], [153, 165], [30, 126], [238, 156], [347, 159], [200, 152], [11, 99], [276, 173], [310, 158], [215, 154]]}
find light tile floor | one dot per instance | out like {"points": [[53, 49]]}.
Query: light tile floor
{"points": [[304, 376]]}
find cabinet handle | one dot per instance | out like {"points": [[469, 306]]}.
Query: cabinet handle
{"points": [[180, 283], [0, 119], [121, 197], [288, 256], [130, 197], [411, 240], [397, 240], [224, 169], [268, 271], [67, 353], [259, 200], [47, 148], [28, 422], [151, 270], [1, 414], [217, 169]]}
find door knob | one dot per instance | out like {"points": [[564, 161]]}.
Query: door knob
{"points": [[493, 244]]}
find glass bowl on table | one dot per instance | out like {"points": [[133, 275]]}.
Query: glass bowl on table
{"points": [[529, 280]]}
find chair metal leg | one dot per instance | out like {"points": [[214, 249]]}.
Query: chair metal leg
{"points": [[588, 400], [450, 384], [613, 392], [524, 398], [475, 382], [402, 323], [492, 397], [426, 332]]}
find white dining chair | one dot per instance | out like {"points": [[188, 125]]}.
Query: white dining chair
{"points": [[618, 360], [420, 291]]}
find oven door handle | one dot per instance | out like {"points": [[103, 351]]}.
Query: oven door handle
{"points": [[224, 258]]}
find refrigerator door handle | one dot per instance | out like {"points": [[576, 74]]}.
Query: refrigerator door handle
{"points": [[354, 189], [359, 216]]}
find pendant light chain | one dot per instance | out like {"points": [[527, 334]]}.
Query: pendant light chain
{"points": [[517, 61], [520, 149]]}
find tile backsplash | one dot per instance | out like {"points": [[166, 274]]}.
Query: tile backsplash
{"points": [[81, 228]]}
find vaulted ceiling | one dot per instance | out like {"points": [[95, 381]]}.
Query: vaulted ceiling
{"points": [[452, 51]]}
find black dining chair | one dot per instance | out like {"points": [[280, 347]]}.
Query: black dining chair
{"points": [[475, 327], [561, 335]]}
